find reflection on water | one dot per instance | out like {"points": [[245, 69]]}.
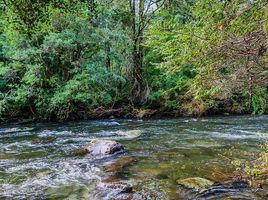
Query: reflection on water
{"points": [[46, 160]]}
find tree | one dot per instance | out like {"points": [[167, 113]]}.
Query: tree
{"points": [[30, 15], [141, 12], [226, 49], [65, 74]]}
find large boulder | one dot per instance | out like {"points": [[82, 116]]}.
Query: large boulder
{"points": [[98, 147], [195, 183]]}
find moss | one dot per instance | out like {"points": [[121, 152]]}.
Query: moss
{"points": [[195, 183]]}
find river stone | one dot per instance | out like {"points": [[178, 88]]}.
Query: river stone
{"points": [[118, 164], [141, 195], [124, 196], [195, 183], [118, 187], [129, 134], [97, 147]]}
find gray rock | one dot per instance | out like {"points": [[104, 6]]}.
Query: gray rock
{"points": [[118, 187], [97, 147]]}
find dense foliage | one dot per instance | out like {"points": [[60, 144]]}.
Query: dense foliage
{"points": [[66, 59]]}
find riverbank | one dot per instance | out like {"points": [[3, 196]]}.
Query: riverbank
{"points": [[121, 113]]}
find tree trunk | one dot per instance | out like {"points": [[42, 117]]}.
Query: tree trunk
{"points": [[108, 51], [250, 83], [137, 23]]}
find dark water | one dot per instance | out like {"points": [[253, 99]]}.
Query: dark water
{"points": [[46, 161]]}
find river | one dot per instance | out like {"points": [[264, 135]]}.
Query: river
{"points": [[47, 160]]}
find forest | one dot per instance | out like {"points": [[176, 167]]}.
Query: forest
{"points": [[80, 59]]}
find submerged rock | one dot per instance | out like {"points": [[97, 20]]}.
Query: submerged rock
{"points": [[45, 140], [220, 191], [70, 192], [14, 130], [118, 164], [236, 190], [161, 176], [97, 147], [166, 156], [116, 187], [141, 195], [130, 134], [41, 173], [124, 196], [195, 183], [5, 156], [117, 190]]}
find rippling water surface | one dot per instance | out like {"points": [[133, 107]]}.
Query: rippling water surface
{"points": [[46, 160]]}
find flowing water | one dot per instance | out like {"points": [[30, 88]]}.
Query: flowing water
{"points": [[47, 161]]}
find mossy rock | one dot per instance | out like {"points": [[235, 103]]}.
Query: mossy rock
{"points": [[195, 183]]}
